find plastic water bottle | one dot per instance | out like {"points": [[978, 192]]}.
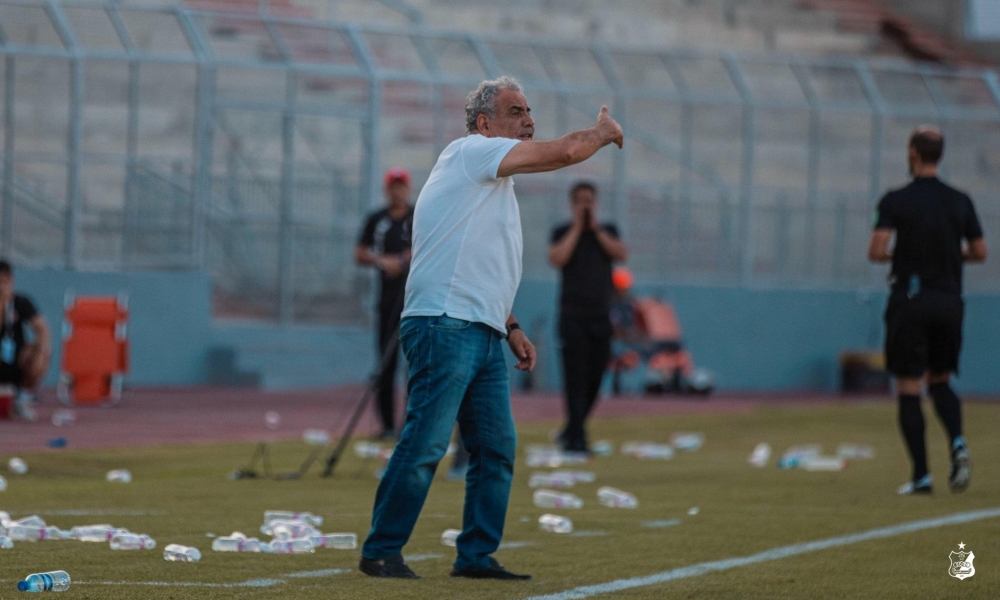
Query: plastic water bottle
{"points": [[301, 546], [5, 518], [555, 524], [64, 417], [289, 530], [551, 480], [337, 541], [132, 541], [6, 543], [3, 484], [655, 451], [316, 437], [553, 499], [119, 476], [688, 442], [27, 533], [367, 450], [55, 581], [615, 498], [32, 521], [761, 455], [178, 553], [855, 452], [284, 515], [95, 533], [797, 455], [450, 537], [17, 466], [603, 448], [823, 463], [578, 476], [233, 543]]}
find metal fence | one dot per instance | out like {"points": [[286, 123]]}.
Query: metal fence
{"points": [[251, 146]]}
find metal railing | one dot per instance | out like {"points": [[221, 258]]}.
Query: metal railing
{"points": [[252, 146]]}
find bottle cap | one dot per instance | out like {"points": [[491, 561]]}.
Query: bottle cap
{"points": [[22, 586]]}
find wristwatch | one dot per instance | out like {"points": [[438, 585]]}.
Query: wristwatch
{"points": [[512, 327]]}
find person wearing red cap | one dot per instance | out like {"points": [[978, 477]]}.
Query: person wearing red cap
{"points": [[584, 251], [385, 244]]}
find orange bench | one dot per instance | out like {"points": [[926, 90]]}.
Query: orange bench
{"points": [[95, 350]]}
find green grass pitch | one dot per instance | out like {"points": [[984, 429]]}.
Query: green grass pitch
{"points": [[181, 493]]}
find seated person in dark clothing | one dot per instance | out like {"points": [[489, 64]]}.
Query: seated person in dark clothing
{"points": [[23, 362]]}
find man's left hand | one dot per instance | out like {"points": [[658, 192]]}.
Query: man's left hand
{"points": [[523, 349]]}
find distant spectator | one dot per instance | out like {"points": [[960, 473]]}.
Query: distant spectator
{"points": [[24, 361]]}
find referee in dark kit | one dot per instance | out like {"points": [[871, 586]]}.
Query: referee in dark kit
{"points": [[937, 230]]}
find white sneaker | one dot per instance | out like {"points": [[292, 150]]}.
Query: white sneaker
{"points": [[25, 411], [912, 488]]}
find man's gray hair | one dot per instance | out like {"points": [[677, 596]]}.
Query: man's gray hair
{"points": [[483, 99]]}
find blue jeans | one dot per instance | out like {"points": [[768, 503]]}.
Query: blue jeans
{"points": [[457, 372]]}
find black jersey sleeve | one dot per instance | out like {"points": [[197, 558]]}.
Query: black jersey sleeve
{"points": [[883, 214], [367, 238], [971, 229], [558, 233]]}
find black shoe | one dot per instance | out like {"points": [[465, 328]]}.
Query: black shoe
{"points": [[391, 567], [494, 571], [961, 469]]}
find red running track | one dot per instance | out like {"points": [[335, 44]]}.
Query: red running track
{"points": [[205, 415]]}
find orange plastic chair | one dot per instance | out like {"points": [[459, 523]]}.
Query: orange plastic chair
{"points": [[95, 350]]}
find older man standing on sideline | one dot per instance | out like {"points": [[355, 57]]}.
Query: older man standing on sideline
{"points": [[464, 274]]}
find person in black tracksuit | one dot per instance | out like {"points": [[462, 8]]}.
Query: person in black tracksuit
{"points": [[584, 251], [936, 230], [385, 244]]}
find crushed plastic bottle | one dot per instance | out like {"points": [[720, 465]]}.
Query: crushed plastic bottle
{"points": [[554, 499], [578, 476], [300, 546], [655, 451], [284, 515], [337, 541], [237, 542], [3, 484], [290, 530], [179, 553], [823, 463], [761, 455], [364, 449], [555, 524], [855, 452], [551, 480], [64, 417], [615, 498], [6, 543], [132, 541], [119, 476], [316, 437], [694, 510], [28, 533], [797, 455], [450, 537], [688, 442], [17, 466], [32, 521], [55, 581], [5, 518], [602, 448], [95, 533]]}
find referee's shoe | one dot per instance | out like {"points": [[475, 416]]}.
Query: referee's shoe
{"points": [[961, 466]]}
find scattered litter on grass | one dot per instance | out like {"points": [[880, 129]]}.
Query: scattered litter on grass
{"points": [[693, 510], [554, 499], [761, 455], [3, 484], [316, 437], [687, 441], [823, 463], [855, 452], [515, 545], [551, 480], [615, 498], [179, 553], [661, 523], [577, 476], [6, 543], [17, 466], [648, 450], [336, 541], [210, 535], [284, 515], [119, 476], [132, 541], [603, 448], [555, 524]]}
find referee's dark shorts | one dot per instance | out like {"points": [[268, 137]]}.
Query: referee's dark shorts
{"points": [[923, 332]]}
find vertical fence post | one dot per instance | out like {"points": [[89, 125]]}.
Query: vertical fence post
{"points": [[7, 233], [286, 251], [748, 133], [201, 192], [73, 146], [812, 170]]}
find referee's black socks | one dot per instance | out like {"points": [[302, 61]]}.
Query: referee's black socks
{"points": [[911, 421], [949, 410]]}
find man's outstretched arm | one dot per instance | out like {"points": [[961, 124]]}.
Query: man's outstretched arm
{"points": [[570, 149]]}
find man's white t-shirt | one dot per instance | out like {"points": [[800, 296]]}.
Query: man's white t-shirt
{"points": [[466, 237]]}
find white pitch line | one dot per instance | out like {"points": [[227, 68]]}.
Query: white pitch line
{"points": [[768, 555], [515, 545], [319, 573], [420, 557]]}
